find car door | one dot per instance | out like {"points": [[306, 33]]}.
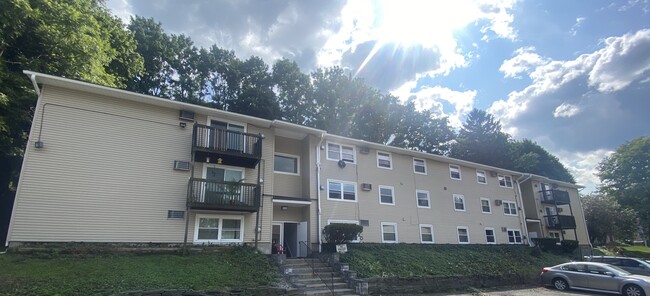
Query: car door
{"points": [[601, 281], [578, 276], [634, 267]]}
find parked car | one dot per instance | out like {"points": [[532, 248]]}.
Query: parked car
{"points": [[597, 277], [632, 265]]}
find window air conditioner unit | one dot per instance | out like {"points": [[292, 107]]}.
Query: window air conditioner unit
{"points": [[186, 115], [364, 222], [504, 229], [364, 149], [559, 210], [366, 186], [498, 202], [493, 174], [181, 165]]}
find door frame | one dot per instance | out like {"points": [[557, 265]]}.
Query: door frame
{"points": [[297, 248]]}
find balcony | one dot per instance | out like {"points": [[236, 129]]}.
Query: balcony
{"points": [[555, 197], [222, 146], [224, 196], [560, 222]]}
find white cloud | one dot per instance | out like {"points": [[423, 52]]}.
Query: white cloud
{"points": [[577, 25], [525, 59], [623, 60], [500, 17], [566, 110], [432, 98], [584, 166]]}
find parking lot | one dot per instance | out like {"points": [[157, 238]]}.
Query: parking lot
{"points": [[539, 291]]}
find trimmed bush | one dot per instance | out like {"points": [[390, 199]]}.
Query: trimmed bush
{"points": [[568, 246], [546, 244], [341, 233]]}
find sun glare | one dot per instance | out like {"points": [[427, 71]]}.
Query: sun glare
{"points": [[424, 22]]}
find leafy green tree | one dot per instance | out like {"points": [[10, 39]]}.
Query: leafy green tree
{"points": [[529, 157], [293, 90], [625, 175], [607, 220], [255, 96], [481, 140]]}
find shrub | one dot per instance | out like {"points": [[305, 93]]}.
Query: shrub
{"points": [[341, 233], [546, 244], [568, 246]]}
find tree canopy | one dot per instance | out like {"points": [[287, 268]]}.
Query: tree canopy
{"points": [[625, 175], [607, 220]]}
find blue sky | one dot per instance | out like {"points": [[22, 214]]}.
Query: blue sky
{"points": [[574, 76]]}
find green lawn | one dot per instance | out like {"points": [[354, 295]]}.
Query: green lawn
{"points": [[110, 274], [637, 251], [406, 260]]}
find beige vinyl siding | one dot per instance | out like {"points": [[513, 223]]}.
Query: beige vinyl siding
{"points": [[266, 167], [405, 212], [105, 173], [285, 184]]}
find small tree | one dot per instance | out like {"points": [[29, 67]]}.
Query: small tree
{"points": [[341, 233]]}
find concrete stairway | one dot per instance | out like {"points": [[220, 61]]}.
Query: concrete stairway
{"points": [[322, 281]]}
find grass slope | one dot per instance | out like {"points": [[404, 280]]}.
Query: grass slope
{"points": [[110, 274], [406, 260]]}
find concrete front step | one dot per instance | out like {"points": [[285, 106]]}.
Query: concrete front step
{"points": [[326, 291], [316, 281]]}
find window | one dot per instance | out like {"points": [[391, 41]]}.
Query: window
{"points": [[419, 166], [384, 160], [509, 208], [554, 234], [339, 190], [490, 237], [459, 202], [514, 236], [386, 195], [486, 208], [463, 235], [426, 233], [214, 229], [505, 181], [422, 198], [480, 177], [454, 172], [286, 164], [388, 232], [340, 152]]}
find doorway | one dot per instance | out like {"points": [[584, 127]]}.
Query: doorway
{"points": [[290, 235]]}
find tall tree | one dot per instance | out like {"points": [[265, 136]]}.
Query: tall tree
{"points": [[293, 89], [607, 220], [481, 140], [255, 95], [529, 157], [625, 175]]}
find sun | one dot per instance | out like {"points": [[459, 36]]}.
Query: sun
{"points": [[424, 22]]}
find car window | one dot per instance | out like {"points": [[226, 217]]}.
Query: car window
{"points": [[569, 267], [617, 270], [595, 269], [612, 261]]}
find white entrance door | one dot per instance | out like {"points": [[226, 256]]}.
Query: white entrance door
{"points": [[302, 237]]}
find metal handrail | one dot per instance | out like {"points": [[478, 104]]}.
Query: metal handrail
{"points": [[313, 271]]}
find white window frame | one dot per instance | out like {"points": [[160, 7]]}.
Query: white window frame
{"points": [[356, 194], [296, 157], [458, 228], [382, 232], [494, 236], [340, 148], [506, 180], [521, 239], [453, 199], [417, 199], [424, 165], [433, 236], [511, 206], [478, 175], [452, 168], [387, 156], [219, 235], [335, 221], [555, 234], [482, 199], [392, 193]]}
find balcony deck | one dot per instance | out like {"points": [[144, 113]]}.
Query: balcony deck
{"points": [[560, 222], [223, 196], [218, 145], [554, 196]]}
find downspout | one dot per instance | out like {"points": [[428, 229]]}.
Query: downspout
{"points": [[522, 217], [318, 224], [36, 89], [584, 220]]}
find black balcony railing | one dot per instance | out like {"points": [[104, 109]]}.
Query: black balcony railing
{"points": [[554, 196], [560, 222], [232, 147], [228, 196]]}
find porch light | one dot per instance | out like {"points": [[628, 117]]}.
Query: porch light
{"points": [[182, 124], [284, 208], [38, 144]]}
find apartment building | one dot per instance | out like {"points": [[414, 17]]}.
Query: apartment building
{"points": [[110, 166]]}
